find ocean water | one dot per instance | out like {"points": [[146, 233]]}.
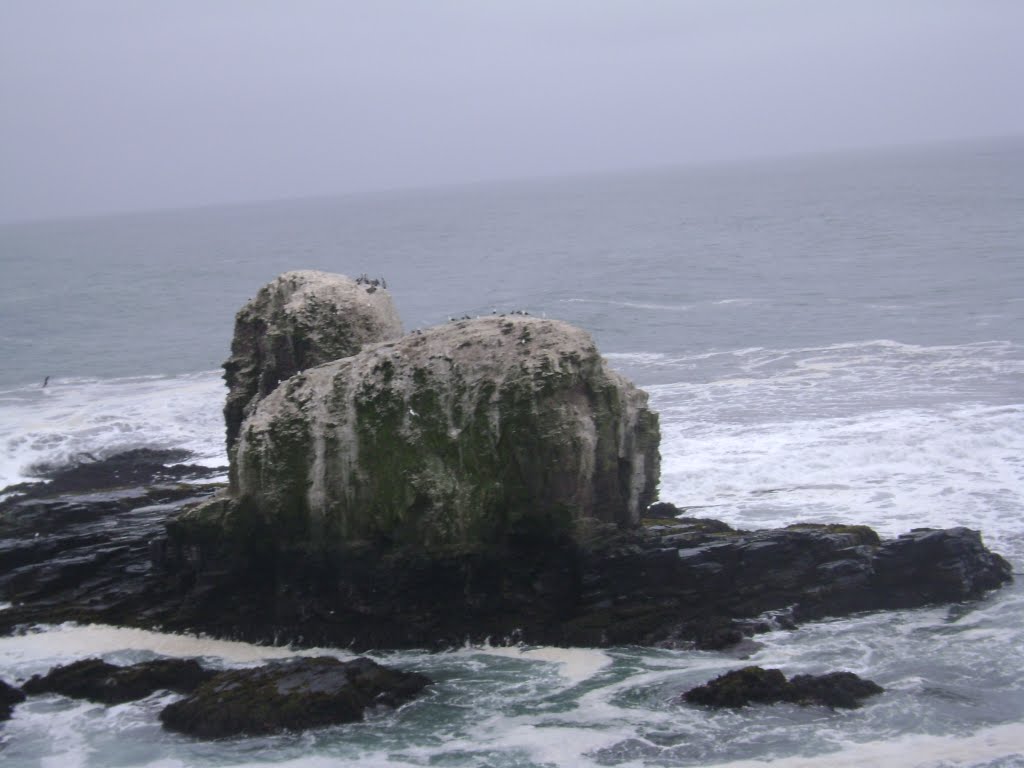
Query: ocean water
{"points": [[826, 338]]}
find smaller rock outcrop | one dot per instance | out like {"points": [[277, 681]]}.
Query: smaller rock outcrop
{"points": [[96, 680], [293, 695], [755, 685], [9, 697], [299, 320]]}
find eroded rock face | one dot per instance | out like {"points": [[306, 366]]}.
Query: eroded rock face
{"points": [[453, 439], [299, 320]]}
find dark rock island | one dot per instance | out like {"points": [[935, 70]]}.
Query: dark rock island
{"points": [[754, 685], [487, 478]]}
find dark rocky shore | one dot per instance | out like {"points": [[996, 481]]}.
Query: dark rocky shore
{"points": [[113, 555], [295, 694]]}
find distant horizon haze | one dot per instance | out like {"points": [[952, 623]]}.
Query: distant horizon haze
{"points": [[592, 173], [115, 105]]}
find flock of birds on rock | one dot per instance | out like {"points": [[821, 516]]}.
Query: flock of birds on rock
{"points": [[494, 312], [371, 283]]}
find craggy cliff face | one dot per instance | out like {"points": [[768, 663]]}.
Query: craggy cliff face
{"points": [[299, 320], [453, 439]]}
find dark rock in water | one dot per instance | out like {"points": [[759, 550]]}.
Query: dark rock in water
{"points": [[143, 466], [292, 695], [9, 696], [843, 690], [750, 685], [96, 680], [754, 685]]}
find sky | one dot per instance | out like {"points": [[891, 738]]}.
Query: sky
{"points": [[113, 105]]}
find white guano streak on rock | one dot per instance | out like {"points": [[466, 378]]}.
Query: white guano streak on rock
{"points": [[526, 358]]}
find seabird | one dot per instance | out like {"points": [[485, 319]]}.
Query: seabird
{"points": [[46, 381]]}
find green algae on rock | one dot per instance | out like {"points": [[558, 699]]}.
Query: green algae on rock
{"points": [[459, 438]]}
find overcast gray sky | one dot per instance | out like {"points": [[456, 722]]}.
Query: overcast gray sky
{"points": [[110, 105]]}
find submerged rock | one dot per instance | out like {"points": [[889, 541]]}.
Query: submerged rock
{"points": [[9, 697], [96, 680], [299, 320], [292, 695], [754, 685], [457, 439]]}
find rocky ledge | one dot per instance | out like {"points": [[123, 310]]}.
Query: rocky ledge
{"points": [[291, 695], [115, 556]]}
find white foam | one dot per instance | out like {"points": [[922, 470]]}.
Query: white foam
{"points": [[61, 643], [1000, 742], [74, 417], [893, 469], [892, 435], [574, 664], [633, 304]]}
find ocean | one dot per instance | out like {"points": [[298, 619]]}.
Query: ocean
{"points": [[826, 338]]}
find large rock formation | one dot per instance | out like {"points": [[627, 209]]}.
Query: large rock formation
{"points": [[457, 439], [296, 321]]}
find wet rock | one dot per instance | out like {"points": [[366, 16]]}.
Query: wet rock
{"points": [[299, 320], [9, 697], [842, 690], [96, 680], [86, 554], [755, 685], [685, 586], [140, 467], [294, 695]]}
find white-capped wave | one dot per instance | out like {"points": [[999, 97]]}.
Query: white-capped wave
{"points": [[1004, 743], [574, 664], [894, 470], [74, 418], [633, 304]]}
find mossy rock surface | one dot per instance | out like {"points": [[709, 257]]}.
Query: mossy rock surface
{"points": [[290, 696], [450, 440]]}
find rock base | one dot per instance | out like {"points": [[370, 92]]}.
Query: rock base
{"points": [[118, 557]]}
